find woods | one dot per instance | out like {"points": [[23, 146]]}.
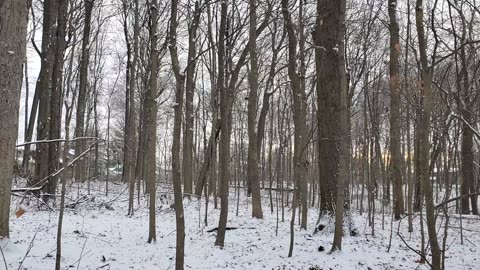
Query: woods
{"points": [[314, 125]]}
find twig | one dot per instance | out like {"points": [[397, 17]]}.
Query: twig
{"points": [[30, 246], [116, 198], [414, 250], [3, 256], [81, 253], [407, 245], [71, 265]]}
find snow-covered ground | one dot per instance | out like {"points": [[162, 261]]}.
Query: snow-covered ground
{"points": [[98, 238]]}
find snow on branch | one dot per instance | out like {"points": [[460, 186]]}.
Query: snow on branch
{"points": [[40, 184]]}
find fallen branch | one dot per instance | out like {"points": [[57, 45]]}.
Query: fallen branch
{"points": [[231, 228], [414, 250], [43, 182], [408, 246], [80, 200], [456, 198], [59, 140], [32, 189], [278, 189]]}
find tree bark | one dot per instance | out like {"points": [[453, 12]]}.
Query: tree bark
{"points": [[332, 110], [396, 160], [252, 159], [130, 136], [300, 162], [189, 93], [177, 126], [343, 132], [56, 95], [66, 148], [80, 146], [13, 19], [151, 122], [225, 124], [423, 130], [44, 87], [328, 100]]}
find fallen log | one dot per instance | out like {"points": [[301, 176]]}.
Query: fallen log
{"points": [[231, 228]]}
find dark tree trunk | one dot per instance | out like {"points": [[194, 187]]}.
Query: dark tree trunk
{"points": [[332, 110], [225, 133], [177, 128], [43, 86], [56, 95], [328, 101], [396, 160], [253, 146], [150, 122], [190, 89], [423, 131], [80, 167]]}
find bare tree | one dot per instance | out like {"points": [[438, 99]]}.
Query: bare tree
{"points": [[150, 122], [396, 160], [423, 131], [253, 181], [43, 86], [300, 162], [80, 146], [177, 126], [225, 117], [189, 93]]}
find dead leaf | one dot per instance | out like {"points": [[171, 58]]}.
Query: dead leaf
{"points": [[20, 212]]}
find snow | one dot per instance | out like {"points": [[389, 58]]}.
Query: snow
{"points": [[91, 232]]}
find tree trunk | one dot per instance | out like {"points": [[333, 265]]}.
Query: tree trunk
{"points": [[80, 167], [56, 95], [409, 152], [44, 85], [343, 138], [300, 162], [29, 130], [66, 148], [467, 163], [423, 130], [177, 127], [190, 89], [252, 160], [300, 120], [396, 160], [328, 101], [150, 122], [332, 110], [129, 158], [225, 133], [13, 19]]}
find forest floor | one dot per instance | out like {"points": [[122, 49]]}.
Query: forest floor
{"points": [[95, 237]]}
